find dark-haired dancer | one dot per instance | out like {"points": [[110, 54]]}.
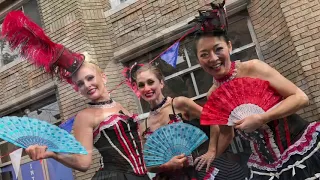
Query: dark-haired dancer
{"points": [[284, 146]]}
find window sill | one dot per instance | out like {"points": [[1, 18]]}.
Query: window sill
{"points": [[234, 6], [119, 8], [9, 65], [31, 97]]}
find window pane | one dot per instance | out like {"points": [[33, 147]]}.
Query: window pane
{"points": [[245, 55], [50, 101], [238, 31], [201, 101], [6, 55], [179, 86], [47, 113], [6, 175], [190, 46], [204, 81], [31, 9], [115, 3]]}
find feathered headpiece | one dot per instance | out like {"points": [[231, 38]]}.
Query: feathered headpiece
{"points": [[129, 74], [212, 20], [35, 46]]}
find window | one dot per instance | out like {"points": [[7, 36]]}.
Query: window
{"points": [[46, 109], [188, 79], [6, 176], [30, 8], [6, 55], [115, 4]]}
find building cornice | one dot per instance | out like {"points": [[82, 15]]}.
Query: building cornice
{"points": [[168, 35]]}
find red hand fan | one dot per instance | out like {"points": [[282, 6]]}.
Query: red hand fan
{"points": [[237, 99]]}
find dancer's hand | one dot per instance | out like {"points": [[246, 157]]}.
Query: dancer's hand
{"points": [[37, 152], [250, 123], [205, 159], [177, 162]]}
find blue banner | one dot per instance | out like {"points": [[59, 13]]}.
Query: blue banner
{"points": [[171, 55], [58, 171], [32, 171], [67, 125]]}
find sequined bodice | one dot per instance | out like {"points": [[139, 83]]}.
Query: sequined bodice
{"points": [[118, 142]]}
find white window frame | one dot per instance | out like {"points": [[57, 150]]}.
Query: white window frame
{"points": [[14, 6], [117, 5], [1, 60]]}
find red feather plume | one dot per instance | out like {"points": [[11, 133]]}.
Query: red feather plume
{"points": [[128, 73], [29, 39], [237, 99]]}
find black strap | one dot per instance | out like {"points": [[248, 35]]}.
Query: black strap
{"points": [[146, 128], [174, 113], [146, 123]]}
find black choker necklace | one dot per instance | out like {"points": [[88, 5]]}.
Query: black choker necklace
{"points": [[101, 103], [159, 105]]}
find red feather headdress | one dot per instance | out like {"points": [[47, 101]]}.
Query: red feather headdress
{"points": [[35, 46], [129, 74]]}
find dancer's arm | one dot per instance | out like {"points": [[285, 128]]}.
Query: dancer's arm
{"points": [[83, 132], [226, 132], [225, 138], [294, 98], [193, 110]]}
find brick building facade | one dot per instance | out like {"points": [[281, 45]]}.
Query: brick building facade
{"points": [[285, 34]]}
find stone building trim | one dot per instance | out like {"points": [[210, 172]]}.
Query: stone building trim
{"points": [[28, 98], [168, 35]]}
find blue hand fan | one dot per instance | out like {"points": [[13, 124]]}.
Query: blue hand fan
{"points": [[172, 140], [24, 131]]}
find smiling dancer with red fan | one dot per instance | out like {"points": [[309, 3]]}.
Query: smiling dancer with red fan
{"points": [[259, 103], [105, 124]]}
